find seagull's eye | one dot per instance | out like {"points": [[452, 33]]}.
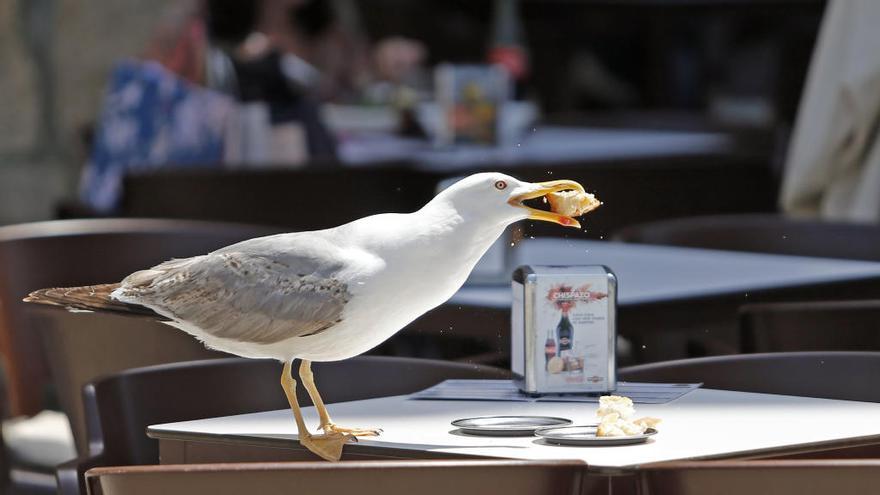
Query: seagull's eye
{"points": [[500, 184]]}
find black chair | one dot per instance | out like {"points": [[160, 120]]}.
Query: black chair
{"points": [[771, 476], [762, 233], [81, 252], [829, 375], [121, 406], [810, 326], [826, 375]]}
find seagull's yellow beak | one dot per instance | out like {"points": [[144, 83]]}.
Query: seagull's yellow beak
{"points": [[540, 189]]}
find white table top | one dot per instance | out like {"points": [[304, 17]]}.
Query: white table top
{"points": [[702, 424], [648, 274]]}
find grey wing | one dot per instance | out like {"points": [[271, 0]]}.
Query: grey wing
{"points": [[258, 298]]}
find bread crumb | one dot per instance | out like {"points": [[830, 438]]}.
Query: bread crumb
{"points": [[614, 414]]}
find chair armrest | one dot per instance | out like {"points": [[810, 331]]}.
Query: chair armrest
{"points": [[70, 475]]}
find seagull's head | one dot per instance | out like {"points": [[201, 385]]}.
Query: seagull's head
{"points": [[496, 196]]}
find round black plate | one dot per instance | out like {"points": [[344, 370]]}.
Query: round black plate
{"points": [[585, 436], [507, 426]]}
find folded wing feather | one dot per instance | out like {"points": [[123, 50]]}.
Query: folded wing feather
{"points": [[259, 298]]}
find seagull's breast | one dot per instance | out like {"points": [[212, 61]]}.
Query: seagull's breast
{"points": [[414, 278], [381, 304]]}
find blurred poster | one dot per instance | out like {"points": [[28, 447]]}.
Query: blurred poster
{"points": [[470, 97]]}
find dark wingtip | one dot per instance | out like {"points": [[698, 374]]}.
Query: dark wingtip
{"points": [[35, 297], [42, 296], [87, 298]]}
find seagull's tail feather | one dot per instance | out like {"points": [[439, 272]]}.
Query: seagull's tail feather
{"points": [[88, 298]]}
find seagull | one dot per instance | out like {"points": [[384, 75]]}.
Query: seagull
{"points": [[330, 294]]}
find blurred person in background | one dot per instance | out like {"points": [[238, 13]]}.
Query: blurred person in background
{"points": [[833, 165], [238, 83]]}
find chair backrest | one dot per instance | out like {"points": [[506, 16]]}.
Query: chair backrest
{"points": [[639, 189], [771, 476], [469, 477], [126, 403], [830, 375], [810, 326], [298, 199], [762, 233], [82, 252], [81, 347]]}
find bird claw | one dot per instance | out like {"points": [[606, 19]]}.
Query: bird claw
{"points": [[355, 432], [327, 446]]}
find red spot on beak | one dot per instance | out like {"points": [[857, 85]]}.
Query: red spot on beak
{"points": [[565, 221]]}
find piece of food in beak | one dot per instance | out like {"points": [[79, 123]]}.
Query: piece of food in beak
{"points": [[567, 195], [572, 203]]}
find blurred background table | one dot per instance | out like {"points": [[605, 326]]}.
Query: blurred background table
{"points": [[686, 172], [674, 302], [542, 145]]}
